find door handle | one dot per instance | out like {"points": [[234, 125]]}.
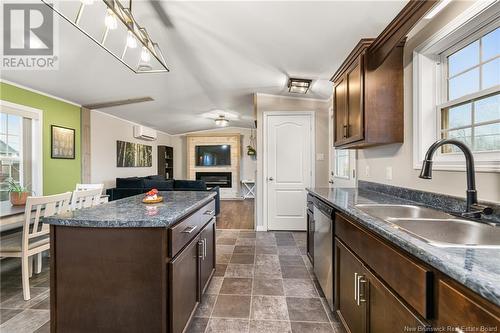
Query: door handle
{"points": [[204, 248], [189, 229], [355, 286], [200, 255], [270, 179], [330, 181], [345, 130], [209, 212]]}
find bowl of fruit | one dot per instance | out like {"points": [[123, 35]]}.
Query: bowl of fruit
{"points": [[152, 197]]}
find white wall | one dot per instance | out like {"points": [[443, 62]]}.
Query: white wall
{"points": [[400, 156], [105, 130], [264, 102]]}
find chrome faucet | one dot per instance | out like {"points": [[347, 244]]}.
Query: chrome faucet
{"points": [[473, 209]]}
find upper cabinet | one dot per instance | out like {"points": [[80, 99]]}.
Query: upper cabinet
{"points": [[368, 102], [368, 86]]}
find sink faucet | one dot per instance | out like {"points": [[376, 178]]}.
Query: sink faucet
{"points": [[473, 209]]}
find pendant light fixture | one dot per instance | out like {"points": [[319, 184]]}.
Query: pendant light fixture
{"points": [[118, 21], [221, 121]]}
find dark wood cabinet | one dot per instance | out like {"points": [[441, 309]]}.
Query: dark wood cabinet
{"points": [[207, 258], [367, 101], [365, 303], [166, 162], [184, 285]]}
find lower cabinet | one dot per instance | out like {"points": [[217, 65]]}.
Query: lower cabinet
{"points": [[184, 285], [207, 257], [310, 236], [190, 273], [365, 303]]}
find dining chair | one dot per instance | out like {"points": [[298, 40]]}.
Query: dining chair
{"points": [[34, 238], [86, 198], [81, 187]]}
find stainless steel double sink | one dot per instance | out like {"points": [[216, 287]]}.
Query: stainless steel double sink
{"points": [[435, 227]]}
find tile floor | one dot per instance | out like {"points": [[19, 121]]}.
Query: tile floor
{"points": [[263, 283]]}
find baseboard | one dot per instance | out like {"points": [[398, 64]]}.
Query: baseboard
{"points": [[260, 228]]}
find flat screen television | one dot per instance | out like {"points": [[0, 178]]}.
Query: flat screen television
{"points": [[214, 155]]}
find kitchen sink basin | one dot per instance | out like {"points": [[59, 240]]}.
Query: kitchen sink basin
{"points": [[435, 227], [384, 212], [451, 232]]}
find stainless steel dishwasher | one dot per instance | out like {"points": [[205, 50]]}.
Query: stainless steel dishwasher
{"points": [[323, 248]]}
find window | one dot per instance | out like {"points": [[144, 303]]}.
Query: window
{"points": [[20, 148], [342, 163], [10, 152], [456, 90], [471, 112]]}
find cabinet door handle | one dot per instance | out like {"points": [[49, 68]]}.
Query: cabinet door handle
{"points": [[189, 229], [361, 279], [200, 255], [355, 286], [204, 248], [209, 212], [345, 131]]}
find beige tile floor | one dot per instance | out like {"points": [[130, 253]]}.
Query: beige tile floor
{"points": [[263, 283]]}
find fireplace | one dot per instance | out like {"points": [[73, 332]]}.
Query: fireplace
{"points": [[221, 179]]}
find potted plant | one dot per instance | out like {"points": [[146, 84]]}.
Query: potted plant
{"points": [[18, 194], [251, 151]]}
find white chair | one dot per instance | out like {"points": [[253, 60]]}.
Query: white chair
{"points": [[34, 238], [86, 198], [81, 187]]}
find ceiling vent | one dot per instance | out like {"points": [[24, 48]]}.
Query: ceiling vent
{"points": [[118, 103], [144, 133]]}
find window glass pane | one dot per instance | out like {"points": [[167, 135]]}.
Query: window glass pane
{"points": [[3, 145], [463, 135], [463, 59], [487, 137], [13, 146], [342, 163], [457, 116], [487, 109], [3, 123], [491, 73], [491, 44], [463, 84], [13, 124]]}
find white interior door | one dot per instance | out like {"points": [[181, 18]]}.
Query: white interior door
{"points": [[288, 168]]}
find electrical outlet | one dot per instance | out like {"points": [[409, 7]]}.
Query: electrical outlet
{"points": [[367, 171], [388, 173]]}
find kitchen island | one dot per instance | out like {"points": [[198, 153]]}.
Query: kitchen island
{"points": [[126, 266]]}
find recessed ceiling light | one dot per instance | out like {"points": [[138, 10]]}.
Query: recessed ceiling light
{"points": [[299, 86], [439, 7]]}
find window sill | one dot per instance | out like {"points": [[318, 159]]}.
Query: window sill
{"points": [[480, 166]]}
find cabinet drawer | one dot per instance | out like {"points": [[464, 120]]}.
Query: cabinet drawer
{"points": [[180, 234], [410, 280], [456, 309]]}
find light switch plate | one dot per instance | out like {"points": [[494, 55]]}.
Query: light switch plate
{"points": [[367, 171], [388, 173], [320, 157]]}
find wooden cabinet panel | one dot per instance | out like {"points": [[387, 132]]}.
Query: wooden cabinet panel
{"points": [[347, 270], [355, 111], [457, 308], [386, 312], [412, 281], [310, 236], [340, 111], [184, 284], [207, 265]]}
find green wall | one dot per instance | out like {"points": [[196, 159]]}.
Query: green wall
{"points": [[58, 175]]}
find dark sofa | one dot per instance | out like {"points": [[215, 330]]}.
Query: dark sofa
{"points": [[126, 187]]}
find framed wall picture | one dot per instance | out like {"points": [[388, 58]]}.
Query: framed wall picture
{"points": [[130, 154], [62, 142]]}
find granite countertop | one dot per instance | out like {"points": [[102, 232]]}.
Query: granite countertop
{"points": [[131, 212], [477, 269]]}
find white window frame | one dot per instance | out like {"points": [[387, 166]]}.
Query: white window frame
{"points": [[430, 88], [36, 116]]}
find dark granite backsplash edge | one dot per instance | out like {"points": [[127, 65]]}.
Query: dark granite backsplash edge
{"points": [[434, 200]]}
